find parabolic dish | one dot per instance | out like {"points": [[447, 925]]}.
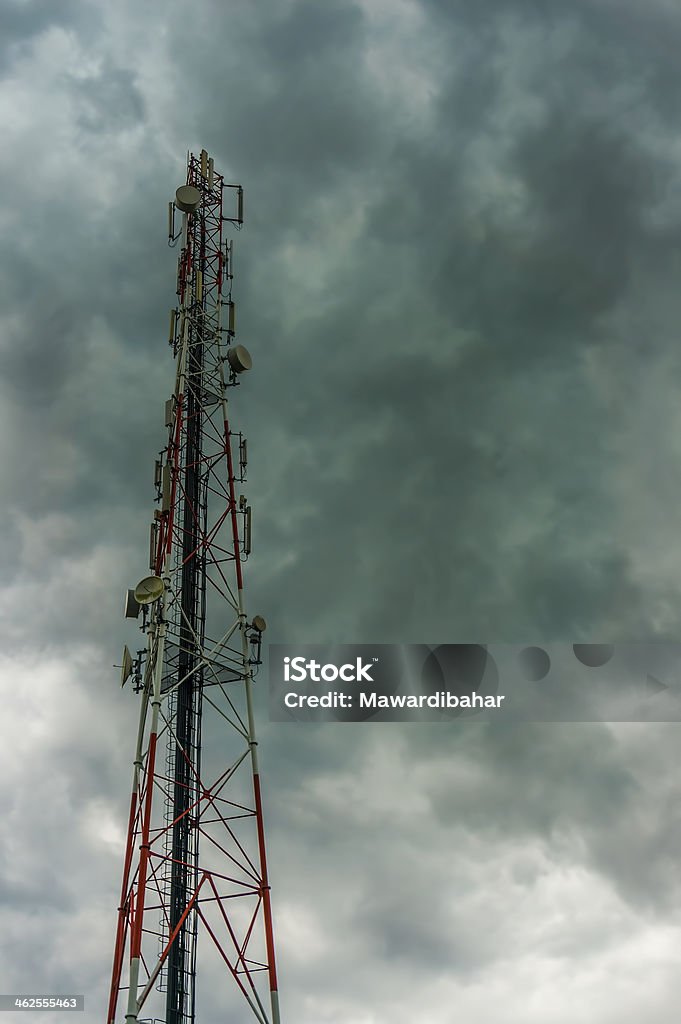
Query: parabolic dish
{"points": [[149, 590], [187, 198], [126, 667], [239, 358]]}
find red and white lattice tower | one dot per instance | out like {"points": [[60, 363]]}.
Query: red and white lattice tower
{"points": [[195, 860]]}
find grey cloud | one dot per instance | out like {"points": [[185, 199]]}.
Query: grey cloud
{"points": [[23, 21], [463, 323], [109, 101]]}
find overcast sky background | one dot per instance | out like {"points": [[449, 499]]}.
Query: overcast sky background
{"points": [[459, 281]]}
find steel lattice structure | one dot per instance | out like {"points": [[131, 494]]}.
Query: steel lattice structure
{"points": [[195, 853]]}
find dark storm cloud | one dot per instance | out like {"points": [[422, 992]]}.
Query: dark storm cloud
{"points": [[550, 795], [306, 120], [429, 442], [572, 788], [462, 305], [39, 360], [109, 100], [592, 187], [530, 297], [21, 21]]}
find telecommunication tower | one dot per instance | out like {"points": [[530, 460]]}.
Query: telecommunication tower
{"points": [[195, 858]]}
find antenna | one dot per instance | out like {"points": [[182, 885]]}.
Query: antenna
{"points": [[239, 358], [132, 608], [150, 589], [247, 534], [126, 667], [187, 198]]}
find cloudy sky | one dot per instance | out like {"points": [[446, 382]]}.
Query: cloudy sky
{"points": [[459, 281]]}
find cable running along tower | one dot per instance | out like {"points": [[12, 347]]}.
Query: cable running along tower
{"points": [[195, 852]]}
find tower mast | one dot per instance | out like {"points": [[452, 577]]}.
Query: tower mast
{"points": [[196, 673]]}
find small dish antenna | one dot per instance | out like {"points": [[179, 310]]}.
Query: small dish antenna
{"points": [[239, 358], [259, 624], [187, 199], [126, 667], [149, 590]]}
